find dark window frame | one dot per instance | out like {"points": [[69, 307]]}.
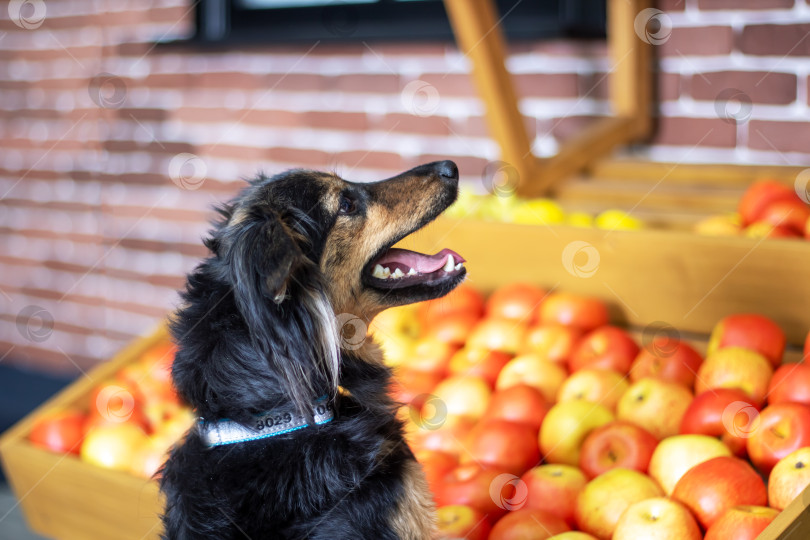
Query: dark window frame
{"points": [[227, 22]]}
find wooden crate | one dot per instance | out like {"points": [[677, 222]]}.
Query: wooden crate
{"points": [[647, 276], [62, 496]]}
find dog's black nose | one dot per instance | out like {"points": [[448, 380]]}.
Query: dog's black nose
{"points": [[447, 170]]}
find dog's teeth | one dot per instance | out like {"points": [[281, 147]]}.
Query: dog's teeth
{"points": [[412, 272], [397, 274], [450, 264], [379, 272], [459, 266], [386, 272]]}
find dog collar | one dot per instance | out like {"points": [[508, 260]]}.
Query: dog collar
{"points": [[269, 424]]}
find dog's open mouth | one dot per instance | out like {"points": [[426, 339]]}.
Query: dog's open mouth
{"points": [[397, 268]]}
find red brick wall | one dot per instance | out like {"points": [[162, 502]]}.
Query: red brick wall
{"points": [[113, 150]]}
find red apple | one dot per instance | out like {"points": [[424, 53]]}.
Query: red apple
{"points": [[522, 404], [607, 347], [657, 406], [442, 436], [735, 367], [790, 384], [430, 355], [459, 521], [408, 384], [517, 301], [59, 431], [668, 359], [502, 445], [554, 488], [741, 523], [658, 518], [712, 487], [749, 331], [761, 229], [565, 427], [482, 363], [675, 455], [436, 465], [530, 369], [569, 309], [760, 195], [470, 485], [616, 445], [553, 342], [454, 328], [528, 523], [790, 214], [573, 535], [783, 428], [789, 478], [604, 499], [726, 413], [463, 299], [117, 402], [603, 386], [497, 335]]}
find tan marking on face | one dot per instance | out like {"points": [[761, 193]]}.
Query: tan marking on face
{"points": [[414, 518], [398, 207]]}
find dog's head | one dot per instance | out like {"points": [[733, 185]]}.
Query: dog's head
{"points": [[288, 226]]}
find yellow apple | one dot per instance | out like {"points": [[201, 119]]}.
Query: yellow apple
{"points": [[675, 455], [603, 386], [606, 497], [531, 370], [658, 518], [735, 367], [657, 406], [789, 478], [565, 427]]}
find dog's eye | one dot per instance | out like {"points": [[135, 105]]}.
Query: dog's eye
{"points": [[347, 206]]}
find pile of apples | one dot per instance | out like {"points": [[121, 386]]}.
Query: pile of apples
{"points": [[534, 418], [128, 423], [509, 208], [767, 209]]}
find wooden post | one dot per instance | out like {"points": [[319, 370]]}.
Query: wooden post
{"points": [[479, 36], [630, 80]]}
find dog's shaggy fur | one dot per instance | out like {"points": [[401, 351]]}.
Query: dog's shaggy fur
{"points": [[257, 332]]}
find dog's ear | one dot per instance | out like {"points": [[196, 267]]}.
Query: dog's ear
{"points": [[261, 256]]}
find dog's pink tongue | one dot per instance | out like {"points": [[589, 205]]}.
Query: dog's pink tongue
{"points": [[424, 264]]}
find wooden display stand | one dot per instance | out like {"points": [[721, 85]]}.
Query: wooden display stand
{"points": [[679, 278], [66, 498]]}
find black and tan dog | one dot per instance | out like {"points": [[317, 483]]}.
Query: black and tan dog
{"points": [[280, 450]]}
